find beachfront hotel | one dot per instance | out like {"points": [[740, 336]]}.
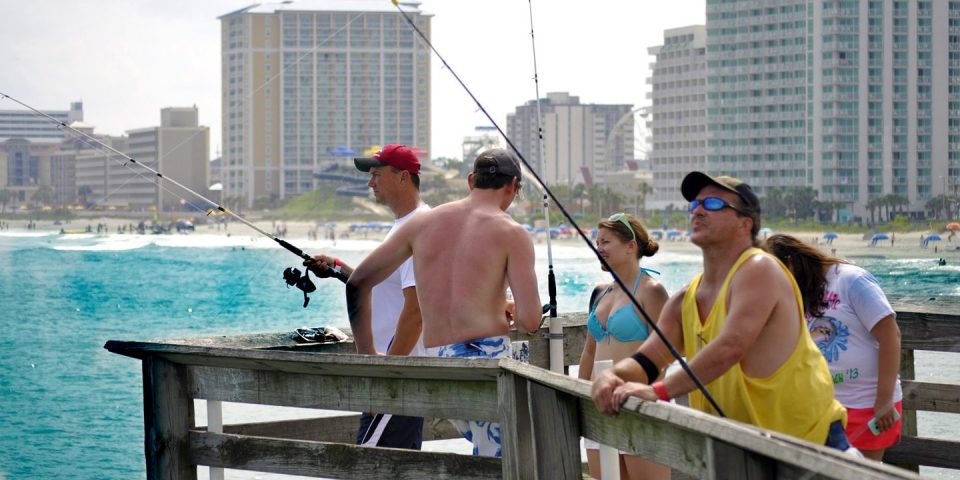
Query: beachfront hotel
{"points": [[678, 122], [304, 79], [179, 148], [858, 99], [583, 142]]}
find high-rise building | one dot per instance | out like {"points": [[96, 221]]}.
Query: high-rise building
{"points": [[179, 149], [679, 111], [858, 99], [302, 80], [27, 125], [583, 142]]}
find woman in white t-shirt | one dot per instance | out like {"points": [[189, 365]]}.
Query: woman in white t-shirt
{"points": [[855, 328]]}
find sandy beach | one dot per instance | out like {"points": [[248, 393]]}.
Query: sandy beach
{"points": [[846, 245]]}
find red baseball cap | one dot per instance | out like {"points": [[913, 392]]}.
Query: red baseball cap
{"points": [[394, 155]]}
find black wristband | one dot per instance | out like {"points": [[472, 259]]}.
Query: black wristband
{"points": [[648, 367]]}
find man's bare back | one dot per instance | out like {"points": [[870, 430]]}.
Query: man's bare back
{"points": [[464, 253]]}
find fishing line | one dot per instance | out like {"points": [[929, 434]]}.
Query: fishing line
{"points": [[543, 185], [555, 328], [215, 206], [212, 206]]}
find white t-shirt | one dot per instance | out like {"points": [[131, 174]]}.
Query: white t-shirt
{"points": [[387, 300], [855, 303]]}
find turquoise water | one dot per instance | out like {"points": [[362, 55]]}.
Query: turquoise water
{"points": [[70, 409]]}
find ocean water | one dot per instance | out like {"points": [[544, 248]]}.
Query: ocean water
{"points": [[70, 409]]}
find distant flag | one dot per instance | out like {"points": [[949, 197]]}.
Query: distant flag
{"points": [[587, 176]]}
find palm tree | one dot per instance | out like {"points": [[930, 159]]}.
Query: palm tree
{"points": [[43, 195], [83, 192], [643, 189], [5, 197], [872, 206]]}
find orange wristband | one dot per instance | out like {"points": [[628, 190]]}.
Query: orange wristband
{"points": [[661, 391]]}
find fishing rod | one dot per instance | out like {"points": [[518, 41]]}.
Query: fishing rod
{"points": [[555, 329], [291, 275], [543, 185]]}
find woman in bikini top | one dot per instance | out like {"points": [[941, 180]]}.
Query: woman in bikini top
{"points": [[615, 328]]}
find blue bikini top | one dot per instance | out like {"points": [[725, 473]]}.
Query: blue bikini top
{"points": [[624, 324]]}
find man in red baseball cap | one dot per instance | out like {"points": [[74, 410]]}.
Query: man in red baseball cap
{"points": [[396, 322], [397, 156]]}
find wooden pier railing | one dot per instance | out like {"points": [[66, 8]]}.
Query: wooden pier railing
{"points": [[542, 414]]}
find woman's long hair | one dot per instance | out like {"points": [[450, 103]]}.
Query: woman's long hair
{"points": [[807, 265]]}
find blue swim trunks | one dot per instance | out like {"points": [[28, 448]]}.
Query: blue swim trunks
{"points": [[485, 436]]}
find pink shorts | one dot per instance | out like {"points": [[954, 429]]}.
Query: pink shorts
{"points": [[860, 435]]}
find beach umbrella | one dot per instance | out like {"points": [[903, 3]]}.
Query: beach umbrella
{"points": [[953, 227], [933, 237], [765, 231], [830, 235], [878, 237], [342, 151]]}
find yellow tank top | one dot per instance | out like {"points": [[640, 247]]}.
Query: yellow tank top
{"points": [[797, 399]]}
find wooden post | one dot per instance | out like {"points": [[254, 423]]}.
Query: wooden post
{"points": [[215, 425], [515, 436], [167, 417], [909, 426], [556, 433]]}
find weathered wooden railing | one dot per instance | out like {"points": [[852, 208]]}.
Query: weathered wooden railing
{"points": [[543, 414]]}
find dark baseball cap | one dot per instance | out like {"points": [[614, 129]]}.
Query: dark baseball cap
{"points": [[497, 161], [695, 181], [394, 155]]}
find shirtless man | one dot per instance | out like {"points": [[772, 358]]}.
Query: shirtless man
{"points": [[751, 349], [464, 253]]}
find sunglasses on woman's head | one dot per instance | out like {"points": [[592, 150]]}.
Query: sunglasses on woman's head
{"points": [[713, 204], [622, 218]]}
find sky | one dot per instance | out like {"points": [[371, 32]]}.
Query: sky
{"points": [[127, 59]]}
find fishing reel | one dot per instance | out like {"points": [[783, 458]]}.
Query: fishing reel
{"points": [[294, 278]]}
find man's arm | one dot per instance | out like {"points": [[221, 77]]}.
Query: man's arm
{"points": [[322, 266], [409, 325], [374, 269], [522, 278]]}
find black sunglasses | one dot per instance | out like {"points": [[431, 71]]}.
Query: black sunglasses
{"points": [[713, 204]]}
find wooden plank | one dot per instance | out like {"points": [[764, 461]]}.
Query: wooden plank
{"points": [[516, 439], [167, 416], [909, 426], [482, 369], [929, 396], [732, 462], [403, 396], [556, 433], [929, 452], [655, 430], [929, 330], [334, 460], [336, 429]]}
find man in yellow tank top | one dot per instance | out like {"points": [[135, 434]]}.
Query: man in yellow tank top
{"points": [[740, 324]]}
